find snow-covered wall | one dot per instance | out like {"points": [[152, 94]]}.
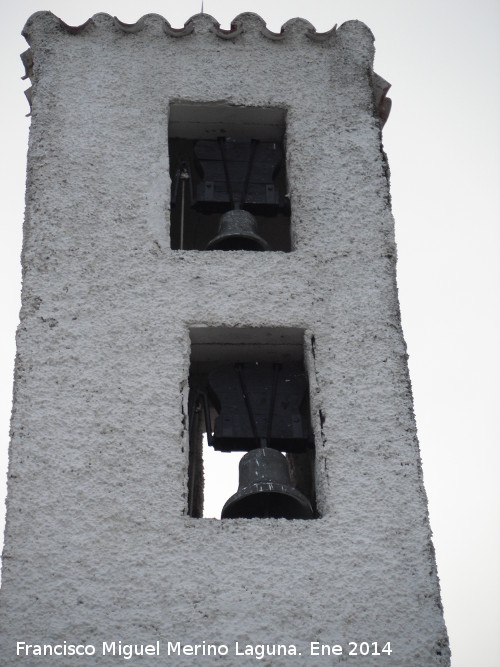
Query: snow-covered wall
{"points": [[99, 546]]}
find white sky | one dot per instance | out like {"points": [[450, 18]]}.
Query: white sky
{"points": [[443, 142]]}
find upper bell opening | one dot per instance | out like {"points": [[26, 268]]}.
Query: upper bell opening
{"points": [[228, 173]]}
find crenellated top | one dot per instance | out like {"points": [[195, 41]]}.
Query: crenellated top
{"points": [[200, 23], [204, 24]]}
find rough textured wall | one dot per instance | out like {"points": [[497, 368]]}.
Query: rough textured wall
{"points": [[98, 543]]}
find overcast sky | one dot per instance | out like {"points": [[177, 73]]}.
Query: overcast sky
{"points": [[442, 58]]}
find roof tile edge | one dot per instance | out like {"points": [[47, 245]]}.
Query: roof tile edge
{"points": [[199, 23]]}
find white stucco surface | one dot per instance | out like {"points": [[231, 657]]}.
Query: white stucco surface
{"points": [[99, 546]]}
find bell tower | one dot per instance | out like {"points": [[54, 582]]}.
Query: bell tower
{"points": [[209, 261]]}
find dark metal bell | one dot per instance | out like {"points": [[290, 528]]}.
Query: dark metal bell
{"points": [[265, 489], [237, 231]]}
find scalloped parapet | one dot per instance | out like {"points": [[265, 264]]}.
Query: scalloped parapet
{"points": [[201, 23], [245, 25]]}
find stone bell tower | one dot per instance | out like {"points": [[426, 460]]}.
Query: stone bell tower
{"points": [[209, 248]]}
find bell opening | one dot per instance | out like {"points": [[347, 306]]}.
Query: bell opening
{"points": [[222, 157], [234, 476]]}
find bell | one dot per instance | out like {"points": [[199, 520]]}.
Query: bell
{"points": [[237, 231], [265, 489]]}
